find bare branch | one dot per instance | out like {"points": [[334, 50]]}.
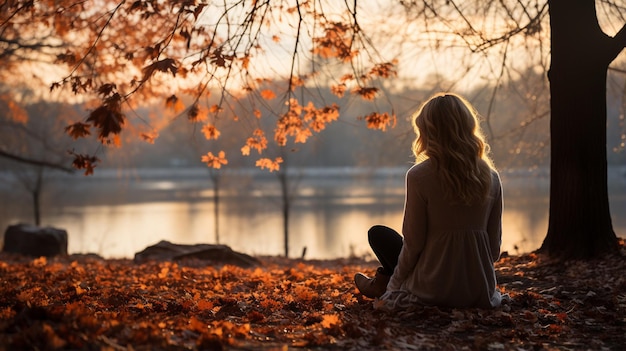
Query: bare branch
{"points": [[95, 42], [530, 27], [618, 70], [35, 162], [495, 90]]}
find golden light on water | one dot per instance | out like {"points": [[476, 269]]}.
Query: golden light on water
{"points": [[522, 233], [331, 231]]}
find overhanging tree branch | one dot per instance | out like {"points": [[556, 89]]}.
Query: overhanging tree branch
{"points": [[35, 162]]}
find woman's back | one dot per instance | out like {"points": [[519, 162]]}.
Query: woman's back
{"points": [[443, 214], [458, 245], [451, 230]]}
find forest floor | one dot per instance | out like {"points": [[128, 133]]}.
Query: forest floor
{"points": [[87, 303]]}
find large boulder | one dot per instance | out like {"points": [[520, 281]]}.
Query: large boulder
{"points": [[206, 253], [35, 241]]}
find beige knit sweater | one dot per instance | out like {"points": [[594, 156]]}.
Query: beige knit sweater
{"points": [[449, 249]]}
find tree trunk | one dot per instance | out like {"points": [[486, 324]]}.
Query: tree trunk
{"points": [[36, 208], [283, 178], [579, 218], [216, 207], [37, 190]]}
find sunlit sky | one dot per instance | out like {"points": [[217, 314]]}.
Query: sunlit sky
{"points": [[425, 51]]}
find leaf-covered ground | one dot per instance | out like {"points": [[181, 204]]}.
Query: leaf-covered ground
{"points": [[80, 303]]}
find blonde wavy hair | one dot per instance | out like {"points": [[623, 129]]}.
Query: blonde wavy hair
{"points": [[449, 134]]}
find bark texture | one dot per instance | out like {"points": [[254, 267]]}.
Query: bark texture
{"points": [[580, 223]]}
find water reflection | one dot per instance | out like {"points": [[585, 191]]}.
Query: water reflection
{"points": [[330, 216], [524, 230]]}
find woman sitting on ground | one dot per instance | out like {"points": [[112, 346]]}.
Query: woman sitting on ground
{"points": [[451, 232]]}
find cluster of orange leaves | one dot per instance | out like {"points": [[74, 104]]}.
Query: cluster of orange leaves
{"points": [[86, 303], [337, 42], [213, 161], [113, 60], [298, 122]]}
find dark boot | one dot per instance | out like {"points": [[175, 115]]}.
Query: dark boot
{"points": [[372, 287]]}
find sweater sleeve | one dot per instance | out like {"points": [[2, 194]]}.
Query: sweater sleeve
{"points": [[414, 229], [494, 225]]}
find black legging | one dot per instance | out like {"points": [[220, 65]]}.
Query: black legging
{"points": [[386, 244]]}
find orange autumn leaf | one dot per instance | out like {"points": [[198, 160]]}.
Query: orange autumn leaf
{"points": [[164, 65], [149, 137], [210, 132], [213, 161], [79, 289], [219, 59], [108, 117], [107, 89], [380, 121], [197, 325], [271, 165], [367, 93], [268, 94], [338, 90], [296, 82], [300, 122], [346, 77], [317, 118], [384, 70], [174, 103], [114, 141], [78, 130], [197, 113], [214, 109], [304, 293], [245, 150], [302, 136], [163, 273], [205, 305], [83, 161], [245, 62], [270, 303], [336, 42], [329, 320], [257, 141]]}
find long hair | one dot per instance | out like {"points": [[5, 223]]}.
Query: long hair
{"points": [[449, 134]]}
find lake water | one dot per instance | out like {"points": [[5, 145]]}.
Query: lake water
{"points": [[116, 214]]}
